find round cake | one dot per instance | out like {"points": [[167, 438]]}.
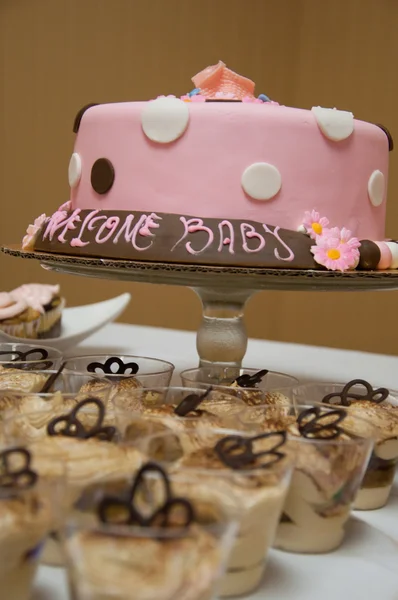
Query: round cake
{"points": [[221, 176]]}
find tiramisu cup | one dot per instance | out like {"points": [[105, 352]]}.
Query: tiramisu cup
{"points": [[29, 357], [252, 386], [148, 541], [84, 440], [26, 518], [146, 371], [185, 410], [380, 407], [55, 391], [331, 451], [254, 471]]}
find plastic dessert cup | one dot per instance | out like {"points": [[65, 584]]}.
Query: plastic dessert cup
{"points": [[331, 451], [91, 451], [27, 514], [148, 372], [379, 476], [259, 491], [29, 357], [249, 385], [25, 391], [167, 553], [177, 409], [226, 376]]}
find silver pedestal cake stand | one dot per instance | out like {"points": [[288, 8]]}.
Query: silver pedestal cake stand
{"points": [[223, 291]]}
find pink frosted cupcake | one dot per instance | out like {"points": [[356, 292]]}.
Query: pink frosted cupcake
{"points": [[32, 311]]}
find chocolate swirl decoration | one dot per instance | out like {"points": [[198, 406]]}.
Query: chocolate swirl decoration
{"points": [[346, 395], [250, 381], [20, 478], [70, 426], [122, 510], [315, 423], [190, 404], [107, 367], [237, 452], [19, 357]]}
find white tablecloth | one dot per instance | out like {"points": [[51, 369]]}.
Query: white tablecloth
{"points": [[366, 566]]}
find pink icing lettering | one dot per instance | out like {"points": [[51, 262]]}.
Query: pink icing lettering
{"points": [[140, 223], [248, 232], [71, 224], [150, 224], [91, 225], [77, 242], [60, 220], [112, 223], [126, 229], [227, 240], [193, 226], [275, 233]]}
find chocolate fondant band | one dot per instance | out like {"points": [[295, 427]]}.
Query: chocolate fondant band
{"points": [[174, 238]]}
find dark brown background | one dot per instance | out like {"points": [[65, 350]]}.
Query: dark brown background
{"points": [[58, 55]]}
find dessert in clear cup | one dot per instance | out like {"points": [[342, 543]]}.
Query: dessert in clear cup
{"points": [[83, 439], [254, 470], [253, 386], [380, 407], [32, 311], [136, 371], [182, 409], [28, 357], [51, 391], [149, 540], [331, 449], [26, 516]]}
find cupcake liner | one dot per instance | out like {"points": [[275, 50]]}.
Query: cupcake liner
{"points": [[49, 319], [23, 329]]}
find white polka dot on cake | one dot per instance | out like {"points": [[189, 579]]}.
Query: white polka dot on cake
{"points": [[376, 188], [261, 181], [393, 246], [74, 170], [336, 125], [164, 120]]}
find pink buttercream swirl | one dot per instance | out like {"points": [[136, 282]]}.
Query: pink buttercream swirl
{"points": [[35, 295], [32, 231], [32, 295]]}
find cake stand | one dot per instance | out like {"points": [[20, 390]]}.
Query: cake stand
{"points": [[223, 291]]}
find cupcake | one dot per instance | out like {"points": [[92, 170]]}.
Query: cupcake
{"points": [[32, 311]]}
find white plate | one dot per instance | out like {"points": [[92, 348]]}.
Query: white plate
{"points": [[79, 322]]}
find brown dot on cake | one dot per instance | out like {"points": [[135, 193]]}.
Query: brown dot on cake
{"points": [[389, 136], [222, 100], [369, 255], [102, 175], [79, 116]]}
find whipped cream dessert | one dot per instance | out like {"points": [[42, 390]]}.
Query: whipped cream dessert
{"points": [[258, 491], [157, 553], [79, 440], [26, 517], [330, 460], [110, 567], [184, 411], [23, 381], [380, 408]]}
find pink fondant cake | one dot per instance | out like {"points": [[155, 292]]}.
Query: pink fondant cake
{"points": [[219, 176]]}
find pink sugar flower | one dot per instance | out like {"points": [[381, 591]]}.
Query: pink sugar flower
{"points": [[32, 231], [314, 224], [336, 250]]}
